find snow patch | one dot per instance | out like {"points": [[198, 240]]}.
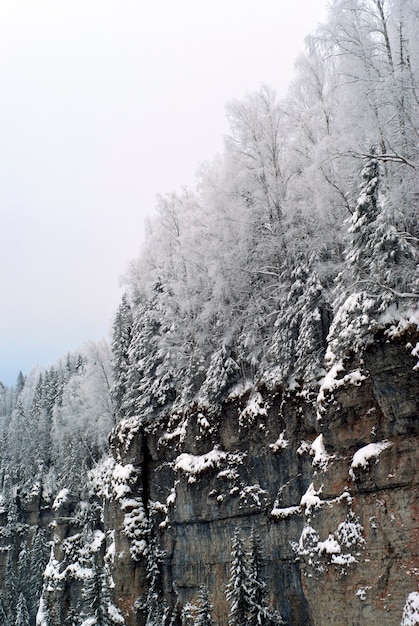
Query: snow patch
{"points": [[310, 500], [362, 592], [135, 527], [250, 495], [171, 498], [340, 548], [318, 450], [304, 448], [60, 499], [240, 389], [192, 465], [280, 443], [363, 456], [410, 616], [178, 433], [111, 479], [284, 513], [115, 615], [255, 407], [331, 382]]}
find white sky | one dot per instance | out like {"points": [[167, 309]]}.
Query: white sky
{"points": [[104, 104]]}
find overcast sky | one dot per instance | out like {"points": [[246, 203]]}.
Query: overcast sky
{"points": [[104, 104]]}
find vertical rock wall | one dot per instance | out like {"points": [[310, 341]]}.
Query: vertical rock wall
{"points": [[339, 531]]}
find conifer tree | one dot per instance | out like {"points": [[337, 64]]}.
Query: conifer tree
{"points": [[10, 586], [3, 616], [97, 598], [93, 597], [22, 614], [23, 570], [38, 561], [154, 605], [203, 617], [237, 591], [121, 340], [222, 373], [380, 265], [257, 586], [260, 613]]}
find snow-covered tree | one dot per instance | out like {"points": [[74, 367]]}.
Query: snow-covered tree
{"points": [[23, 570], [260, 614], [238, 588], [97, 599], [10, 586], [205, 608], [154, 605], [3, 614], [298, 341], [121, 340], [22, 614], [380, 268], [38, 561]]}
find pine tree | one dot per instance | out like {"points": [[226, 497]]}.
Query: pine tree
{"points": [[23, 570], [380, 263], [222, 373], [121, 341], [73, 618], [257, 587], [92, 591], [203, 617], [97, 598], [154, 605], [298, 343], [10, 586], [22, 614], [3, 616], [20, 383], [260, 614], [38, 561], [237, 591]]}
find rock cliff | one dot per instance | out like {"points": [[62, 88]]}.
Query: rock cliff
{"points": [[328, 483]]}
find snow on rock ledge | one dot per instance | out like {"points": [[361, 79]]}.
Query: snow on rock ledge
{"points": [[410, 615], [363, 456], [192, 465]]}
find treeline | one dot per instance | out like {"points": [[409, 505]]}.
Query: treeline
{"points": [[298, 241], [54, 425]]}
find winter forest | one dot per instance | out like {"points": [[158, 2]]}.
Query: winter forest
{"points": [[296, 246]]}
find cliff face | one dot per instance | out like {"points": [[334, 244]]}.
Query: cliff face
{"points": [[330, 488], [329, 484]]}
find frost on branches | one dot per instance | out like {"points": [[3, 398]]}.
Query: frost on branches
{"points": [[380, 268]]}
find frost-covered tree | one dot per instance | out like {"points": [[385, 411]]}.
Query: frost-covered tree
{"points": [[380, 270], [39, 556], [23, 570], [10, 586], [3, 614], [22, 614], [97, 599], [260, 614], [238, 588], [154, 605], [257, 586], [205, 608], [298, 341], [222, 373], [121, 340]]}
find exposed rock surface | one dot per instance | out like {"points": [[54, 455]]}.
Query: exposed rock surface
{"points": [[330, 486], [333, 495]]}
